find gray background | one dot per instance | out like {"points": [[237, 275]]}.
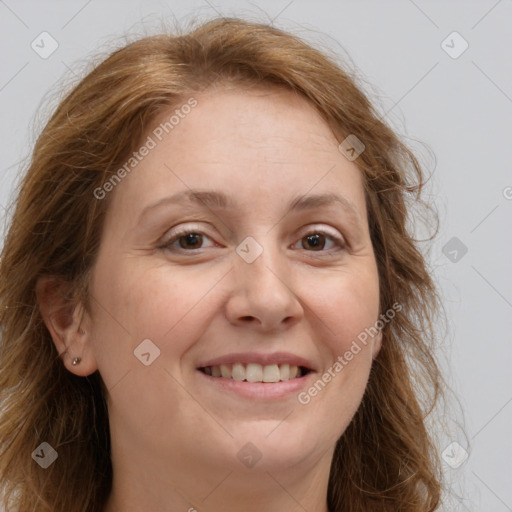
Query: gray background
{"points": [[460, 107]]}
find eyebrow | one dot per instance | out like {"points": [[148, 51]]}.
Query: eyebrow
{"points": [[217, 200]]}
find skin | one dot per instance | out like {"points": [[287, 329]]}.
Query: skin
{"points": [[175, 437]]}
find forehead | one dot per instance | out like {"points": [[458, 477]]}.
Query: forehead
{"points": [[258, 145]]}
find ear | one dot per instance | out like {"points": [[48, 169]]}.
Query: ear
{"points": [[68, 324], [376, 345]]}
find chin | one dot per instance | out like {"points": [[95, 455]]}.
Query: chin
{"points": [[275, 445]]}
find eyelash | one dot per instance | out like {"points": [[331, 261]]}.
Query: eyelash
{"points": [[167, 245]]}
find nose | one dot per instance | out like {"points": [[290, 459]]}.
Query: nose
{"points": [[263, 294]]}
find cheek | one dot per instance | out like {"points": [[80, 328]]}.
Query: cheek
{"points": [[168, 307], [138, 304], [348, 306]]}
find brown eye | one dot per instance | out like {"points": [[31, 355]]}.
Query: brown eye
{"points": [[322, 242], [187, 241], [315, 242], [191, 241]]}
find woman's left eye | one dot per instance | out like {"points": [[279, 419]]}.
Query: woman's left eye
{"points": [[192, 240], [317, 240]]}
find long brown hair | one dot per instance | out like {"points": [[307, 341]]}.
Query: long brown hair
{"points": [[386, 460]]}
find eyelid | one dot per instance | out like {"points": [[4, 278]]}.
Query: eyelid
{"points": [[320, 228], [183, 228]]}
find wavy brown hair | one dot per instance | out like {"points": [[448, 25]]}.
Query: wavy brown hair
{"points": [[386, 460]]}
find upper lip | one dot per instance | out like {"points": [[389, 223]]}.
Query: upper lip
{"points": [[259, 358]]}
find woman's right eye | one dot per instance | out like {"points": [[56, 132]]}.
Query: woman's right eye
{"points": [[187, 240]]}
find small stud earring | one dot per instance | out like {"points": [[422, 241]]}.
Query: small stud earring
{"points": [[76, 361]]}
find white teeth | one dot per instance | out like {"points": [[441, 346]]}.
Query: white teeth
{"points": [[225, 371], [254, 372], [271, 373], [238, 372], [284, 370]]}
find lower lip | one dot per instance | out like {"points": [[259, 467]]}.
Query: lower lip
{"points": [[260, 390]]}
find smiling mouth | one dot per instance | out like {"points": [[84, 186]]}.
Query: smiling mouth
{"points": [[254, 372]]}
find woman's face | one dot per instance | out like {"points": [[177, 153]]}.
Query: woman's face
{"points": [[265, 271]]}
